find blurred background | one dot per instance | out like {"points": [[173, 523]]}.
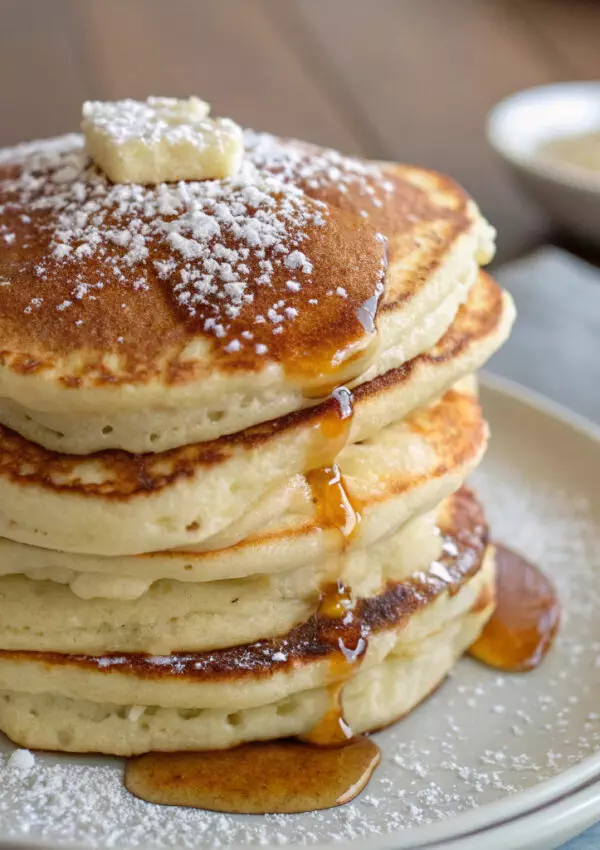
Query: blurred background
{"points": [[397, 79]]}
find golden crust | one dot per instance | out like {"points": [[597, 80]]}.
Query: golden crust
{"points": [[136, 325]]}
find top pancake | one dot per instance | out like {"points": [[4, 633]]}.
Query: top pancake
{"points": [[244, 294], [186, 496]]}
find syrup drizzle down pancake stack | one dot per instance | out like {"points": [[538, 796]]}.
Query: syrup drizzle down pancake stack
{"points": [[236, 418]]}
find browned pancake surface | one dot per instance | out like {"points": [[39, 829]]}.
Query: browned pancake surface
{"points": [[420, 212], [287, 272], [27, 463], [138, 272]]}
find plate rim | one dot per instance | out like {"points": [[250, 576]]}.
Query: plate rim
{"points": [[565, 819]]}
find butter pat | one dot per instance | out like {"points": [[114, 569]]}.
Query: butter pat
{"points": [[160, 140]]}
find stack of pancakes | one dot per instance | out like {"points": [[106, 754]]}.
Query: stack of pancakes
{"points": [[236, 418]]}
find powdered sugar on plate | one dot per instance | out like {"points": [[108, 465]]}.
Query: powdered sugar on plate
{"points": [[482, 737]]}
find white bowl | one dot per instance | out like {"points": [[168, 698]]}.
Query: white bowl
{"points": [[517, 126]]}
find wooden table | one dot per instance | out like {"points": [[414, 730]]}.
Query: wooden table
{"points": [[394, 79], [397, 79]]}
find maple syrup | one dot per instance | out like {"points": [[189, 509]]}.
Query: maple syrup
{"points": [[524, 624], [332, 730], [328, 377], [332, 429], [333, 506], [334, 509], [281, 777], [342, 631], [327, 768]]}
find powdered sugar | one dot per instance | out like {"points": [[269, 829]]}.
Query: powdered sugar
{"points": [[21, 760], [149, 121], [320, 170], [211, 233]]}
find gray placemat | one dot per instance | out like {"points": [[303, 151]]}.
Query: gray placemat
{"points": [[555, 344], [555, 349]]}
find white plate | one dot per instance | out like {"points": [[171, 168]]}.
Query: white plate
{"points": [[491, 760], [543, 829]]}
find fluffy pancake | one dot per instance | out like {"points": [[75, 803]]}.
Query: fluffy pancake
{"points": [[479, 328], [137, 302], [269, 689], [113, 503], [374, 698], [281, 532], [157, 495], [172, 615], [295, 540]]}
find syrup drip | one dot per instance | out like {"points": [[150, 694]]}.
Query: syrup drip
{"points": [[344, 634], [334, 509], [332, 730], [329, 767], [333, 506], [282, 777], [333, 429], [524, 624], [340, 369]]}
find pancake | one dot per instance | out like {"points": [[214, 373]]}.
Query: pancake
{"points": [[113, 503], [237, 300], [374, 698], [418, 626], [297, 540], [236, 419], [172, 615], [259, 462], [480, 326], [280, 532]]}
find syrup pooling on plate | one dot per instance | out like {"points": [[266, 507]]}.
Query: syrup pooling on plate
{"points": [[280, 777], [524, 624]]}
